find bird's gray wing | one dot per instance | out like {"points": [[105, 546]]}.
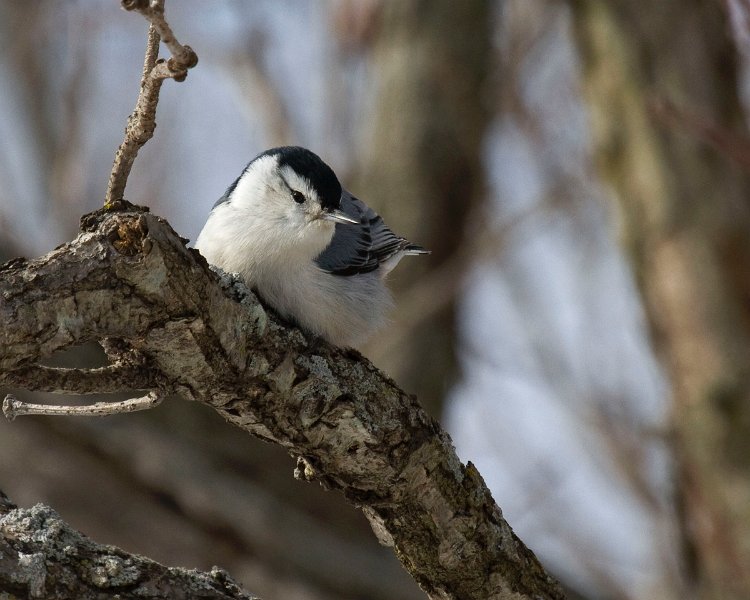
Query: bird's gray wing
{"points": [[362, 247]]}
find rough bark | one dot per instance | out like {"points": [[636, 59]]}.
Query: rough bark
{"points": [[41, 556], [650, 69], [129, 276]]}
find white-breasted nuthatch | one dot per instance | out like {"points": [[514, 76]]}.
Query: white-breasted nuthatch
{"points": [[311, 250]]}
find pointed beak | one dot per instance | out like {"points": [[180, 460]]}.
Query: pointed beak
{"points": [[338, 216]]}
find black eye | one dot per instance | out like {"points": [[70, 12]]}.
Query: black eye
{"points": [[299, 197]]}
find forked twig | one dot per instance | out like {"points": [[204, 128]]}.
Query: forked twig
{"points": [[142, 121]]}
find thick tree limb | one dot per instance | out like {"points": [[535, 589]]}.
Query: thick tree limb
{"points": [[129, 276], [41, 556], [112, 378]]}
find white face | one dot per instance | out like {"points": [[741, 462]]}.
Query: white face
{"points": [[285, 203]]}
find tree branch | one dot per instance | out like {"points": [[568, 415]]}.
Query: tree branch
{"points": [[129, 276], [12, 407], [142, 121], [41, 556], [112, 378], [183, 56]]}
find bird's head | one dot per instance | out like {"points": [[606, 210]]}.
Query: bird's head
{"points": [[294, 193]]}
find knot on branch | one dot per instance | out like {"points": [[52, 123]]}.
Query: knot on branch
{"points": [[90, 222], [128, 237]]}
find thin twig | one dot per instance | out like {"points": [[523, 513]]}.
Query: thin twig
{"points": [[183, 55], [12, 407], [152, 53], [142, 122]]}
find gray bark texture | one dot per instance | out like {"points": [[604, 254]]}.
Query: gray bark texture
{"points": [[129, 277], [43, 557]]}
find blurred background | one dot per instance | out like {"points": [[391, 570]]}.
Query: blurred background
{"points": [[582, 329]]}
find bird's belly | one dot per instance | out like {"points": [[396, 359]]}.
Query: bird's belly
{"points": [[342, 310]]}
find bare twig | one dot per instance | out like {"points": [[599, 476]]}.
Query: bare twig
{"points": [[142, 121], [12, 407], [152, 53], [183, 57]]}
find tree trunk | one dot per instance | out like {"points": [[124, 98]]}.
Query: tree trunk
{"points": [[650, 68], [423, 163]]}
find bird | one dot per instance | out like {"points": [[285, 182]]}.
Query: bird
{"points": [[312, 251]]}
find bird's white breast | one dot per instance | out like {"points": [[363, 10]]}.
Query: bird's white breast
{"points": [[287, 278]]}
